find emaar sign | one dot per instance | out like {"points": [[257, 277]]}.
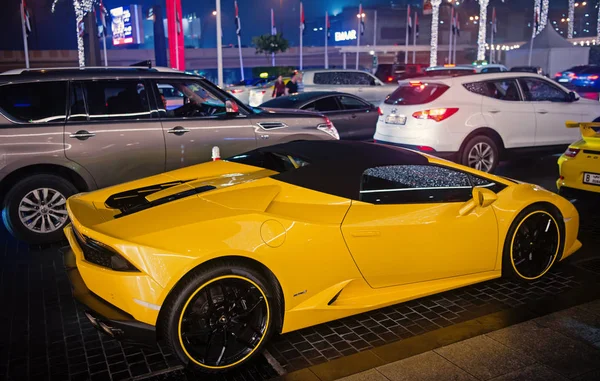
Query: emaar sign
{"points": [[345, 36]]}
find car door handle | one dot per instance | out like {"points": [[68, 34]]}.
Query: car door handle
{"points": [[494, 111], [543, 112], [354, 116], [366, 233], [82, 135], [178, 130]]}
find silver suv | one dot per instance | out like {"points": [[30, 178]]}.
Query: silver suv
{"points": [[65, 131]]}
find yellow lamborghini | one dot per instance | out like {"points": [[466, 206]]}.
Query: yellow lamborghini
{"points": [[216, 257], [579, 166]]}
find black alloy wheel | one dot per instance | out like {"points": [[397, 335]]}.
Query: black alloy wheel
{"points": [[534, 243]]}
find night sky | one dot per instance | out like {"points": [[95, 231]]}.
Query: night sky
{"points": [[57, 30]]}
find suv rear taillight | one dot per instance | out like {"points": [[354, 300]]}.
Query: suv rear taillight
{"points": [[329, 128], [557, 75], [571, 152], [379, 110], [437, 114]]}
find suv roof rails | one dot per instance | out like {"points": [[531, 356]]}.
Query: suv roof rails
{"points": [[143, 66]]}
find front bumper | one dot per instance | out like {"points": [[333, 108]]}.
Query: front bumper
{"points": [[105, 317], [452, 156]]}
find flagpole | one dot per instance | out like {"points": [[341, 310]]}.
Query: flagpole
{"points": [[492, 35], [358, 36], [326, 40], [25, 45], [375, 29], [239, 38], [407, 36], [451, 36], [415, 26], [301, 33], [219, 46], [457, 30], [535, 21], [104, 43], [272, 34]]}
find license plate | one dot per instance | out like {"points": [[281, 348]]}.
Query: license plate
{"points": [[395, 119], [591, 178], [563, 80]]}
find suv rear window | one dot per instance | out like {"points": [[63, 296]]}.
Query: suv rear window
{"points": [[416, 94], [38, 102]]}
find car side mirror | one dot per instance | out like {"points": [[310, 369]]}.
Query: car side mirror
{"points": [[231, 108], [482, 197], [572, 96]]}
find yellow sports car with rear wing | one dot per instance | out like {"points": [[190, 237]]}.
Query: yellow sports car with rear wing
{"points": [[214, 258], [579, 166]]}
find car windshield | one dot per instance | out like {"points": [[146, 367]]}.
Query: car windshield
{"points": [[416, 93]]}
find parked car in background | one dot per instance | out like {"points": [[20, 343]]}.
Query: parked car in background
{"points": [[588, 79], [391, 73], [66, 131], [579, 166], [241, 90], [264, 92], [458, 70], [354, 118], [478, 119], [360, 83], [528, 69], [566, 77]]}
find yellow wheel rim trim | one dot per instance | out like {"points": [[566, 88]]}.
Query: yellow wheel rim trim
{"points": [[512, 243], [192, 297]]}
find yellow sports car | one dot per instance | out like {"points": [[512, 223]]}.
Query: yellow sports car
{"points": [[579, 166], [214, 258]]}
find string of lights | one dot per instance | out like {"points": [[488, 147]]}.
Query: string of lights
{"points": [[571, 19], [537, 6], [483, 4], [543, 16], [82, 7], [435, 24]]}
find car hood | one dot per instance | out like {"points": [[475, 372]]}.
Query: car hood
{"points": [[172, 198]]}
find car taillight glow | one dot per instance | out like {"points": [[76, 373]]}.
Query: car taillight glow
{"points": [[425, 149], [572, 152], [379, 110], [572, 75], [437, 114], [390, 79], [593, 77], [236, 91], [559, 74]]}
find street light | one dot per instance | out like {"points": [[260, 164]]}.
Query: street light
{"points": [[214, 13]]}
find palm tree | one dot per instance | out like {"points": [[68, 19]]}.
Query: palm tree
{"points": [[268, 44], [483, 4], [435, 24], [82, 7]]}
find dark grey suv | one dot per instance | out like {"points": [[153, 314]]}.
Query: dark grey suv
{"points": [[65, 131]]}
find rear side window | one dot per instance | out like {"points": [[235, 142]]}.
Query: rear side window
{"points": [[113, 100], [416, 94], [323, 105], [343, 78], [270, 160], [502, 89], [351, 103], [39, 102]]}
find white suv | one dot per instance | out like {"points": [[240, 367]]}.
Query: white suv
{"points": [[359, 83], [477, 119]]}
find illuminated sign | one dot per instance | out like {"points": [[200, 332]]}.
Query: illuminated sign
{"points": [[126, 26], [345, 36]]}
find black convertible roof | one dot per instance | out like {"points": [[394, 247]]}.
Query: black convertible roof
{"points": [[336, 167]]}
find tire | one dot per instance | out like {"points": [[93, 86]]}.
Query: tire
{"points": [[481, 152], [535, 241], [49, 194], [197, 330]]}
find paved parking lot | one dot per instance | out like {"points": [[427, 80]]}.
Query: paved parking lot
{"points": [[44, 334]]}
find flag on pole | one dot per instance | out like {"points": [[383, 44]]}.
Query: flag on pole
{"points": [[409, 20], [328, 25], [362, 19], [457, 24], [25, 18], [273, 27], [417, 24], [494, 23], [238, 22], [302, 25]]}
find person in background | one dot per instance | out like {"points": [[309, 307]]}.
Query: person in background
{"points": [[300, 82], [279, 88], [292, 85]]}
